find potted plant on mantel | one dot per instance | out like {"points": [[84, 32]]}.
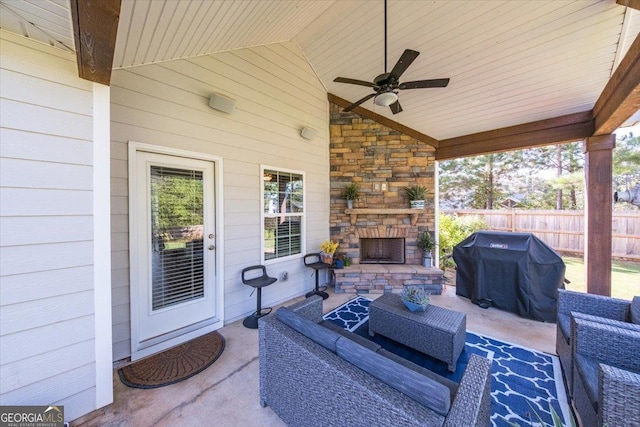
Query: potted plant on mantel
{"points": [[350, 193], [427, 244], [416, 195]]}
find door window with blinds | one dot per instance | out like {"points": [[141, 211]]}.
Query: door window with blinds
{"points": [[283, 211], [177, 219]]}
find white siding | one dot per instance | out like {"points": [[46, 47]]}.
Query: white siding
{"points": [[46, 229], [166, 104]]}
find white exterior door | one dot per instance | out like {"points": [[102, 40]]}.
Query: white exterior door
{"points": [[173, 244]]}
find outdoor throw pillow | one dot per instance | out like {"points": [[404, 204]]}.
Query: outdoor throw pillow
{"points": [[424, 390], [306, 327]]}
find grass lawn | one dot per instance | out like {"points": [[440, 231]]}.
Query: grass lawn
{"points": [[625, 277]]}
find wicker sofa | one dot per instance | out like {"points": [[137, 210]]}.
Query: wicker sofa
{"points": [[606, 373], [309, 377], [585, 306]]}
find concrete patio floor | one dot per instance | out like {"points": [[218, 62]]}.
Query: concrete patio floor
{"points": [[226, 393]]}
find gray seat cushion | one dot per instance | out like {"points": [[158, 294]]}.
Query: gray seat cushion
{"points": [[635, 310], [588, 372], [319, 334], [452, 386], [564, 322], [353, 337], [424, 390]]}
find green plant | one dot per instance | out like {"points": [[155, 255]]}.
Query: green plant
{"points": [[350, 192], [452, 230], [557, 421], [416, 192], [426, 242], [346, 260], [415, 295]]}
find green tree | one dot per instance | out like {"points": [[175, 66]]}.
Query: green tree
{"points": [[476, 182], [626, 161], [567, 161], [626, 166], [458, 179], [177, 201], [482, 182]]}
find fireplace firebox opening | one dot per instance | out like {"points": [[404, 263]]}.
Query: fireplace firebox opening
{"points": [[382, 251]]}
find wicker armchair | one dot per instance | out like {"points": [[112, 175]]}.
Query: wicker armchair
{"points": [[589, 305], [606, 374]]}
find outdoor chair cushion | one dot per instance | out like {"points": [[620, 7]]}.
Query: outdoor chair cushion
{"points": [[564, 323], [635, 310], [319, 334], [588, 372], [353, 337], [452, 386], [424, 390]]}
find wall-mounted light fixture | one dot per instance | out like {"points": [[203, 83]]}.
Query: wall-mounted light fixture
{"points": [[308, 133], [222, 103]]}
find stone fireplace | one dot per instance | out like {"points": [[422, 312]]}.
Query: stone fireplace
{"points": [[380, 232]]}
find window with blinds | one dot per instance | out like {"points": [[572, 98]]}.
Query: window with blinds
{"points": [[177, 218], [283, 210]]}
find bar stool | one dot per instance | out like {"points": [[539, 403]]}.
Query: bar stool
{"points": [[258, 283], [314, 261]]}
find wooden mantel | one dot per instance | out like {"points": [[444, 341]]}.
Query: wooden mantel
{"points": [[415, 213]]}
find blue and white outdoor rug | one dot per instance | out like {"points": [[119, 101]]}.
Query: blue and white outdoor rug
{"points": [[522, 378]]}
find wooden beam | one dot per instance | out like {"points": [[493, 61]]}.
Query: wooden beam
{"points": [[598, 213], [633, 4], [95, 25], [620, 98], [384, 121], [567, 128]]}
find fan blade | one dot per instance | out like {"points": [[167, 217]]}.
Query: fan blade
{"points": [[353, 81], [396, 107], [355, 104], [403, 63], [419, 84]]}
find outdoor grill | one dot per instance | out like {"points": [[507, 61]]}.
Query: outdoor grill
{"points": [[516, 272]]}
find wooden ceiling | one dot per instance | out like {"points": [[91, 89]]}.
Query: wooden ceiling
{"points": [[522, 73]]}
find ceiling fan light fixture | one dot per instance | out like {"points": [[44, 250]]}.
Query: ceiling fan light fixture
{"points": [[385, 99]]}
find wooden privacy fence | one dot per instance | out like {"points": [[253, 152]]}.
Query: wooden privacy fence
{"points": [[563, 230]]}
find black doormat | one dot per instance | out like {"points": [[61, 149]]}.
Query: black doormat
{"points": [[174, 365]]}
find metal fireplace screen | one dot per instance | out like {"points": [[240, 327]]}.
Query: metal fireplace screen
{"points": [[382, 251]]}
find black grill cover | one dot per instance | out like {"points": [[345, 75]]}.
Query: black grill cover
{"points": [[517, 271]]}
